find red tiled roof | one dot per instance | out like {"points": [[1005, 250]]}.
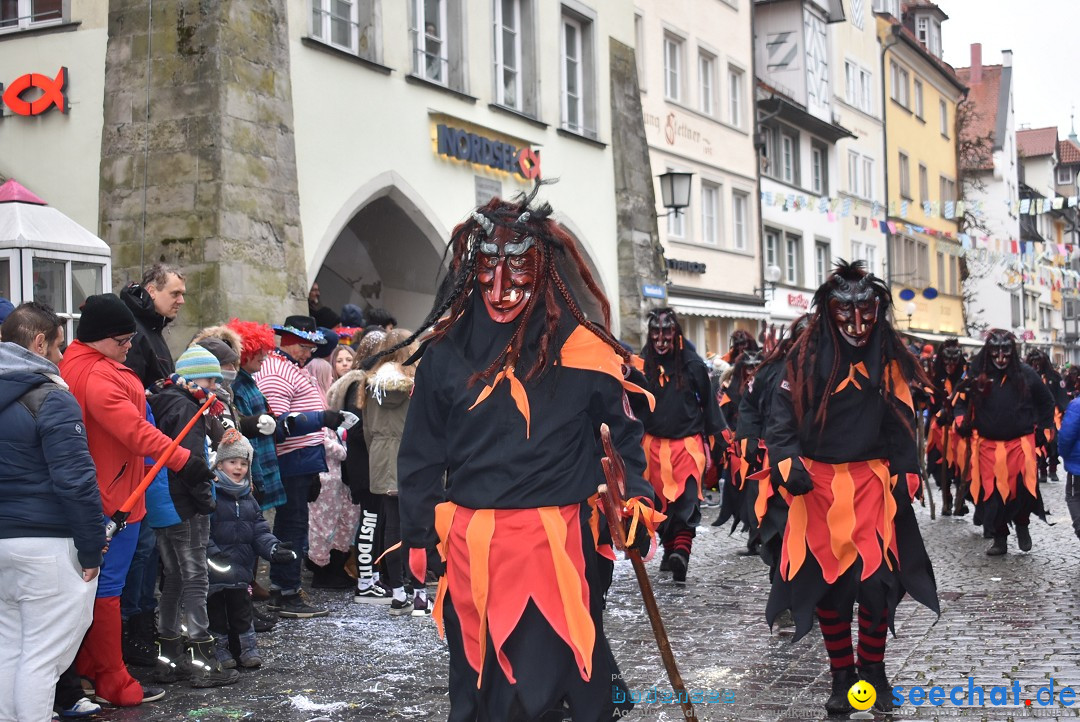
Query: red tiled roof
{"points": [[1033, 142], [982, 100], [1068, 152]]}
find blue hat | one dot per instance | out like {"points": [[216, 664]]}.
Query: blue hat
{"points": [[332, 340], [6, 307], [302, 327]]}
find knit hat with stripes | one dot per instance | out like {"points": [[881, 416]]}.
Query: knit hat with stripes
{"points": [[198, 363]]}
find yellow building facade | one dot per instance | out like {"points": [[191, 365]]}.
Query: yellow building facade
{"points": [[921, 95]]}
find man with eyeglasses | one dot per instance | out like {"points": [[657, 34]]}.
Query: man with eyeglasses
{"points": [[113, 401]]}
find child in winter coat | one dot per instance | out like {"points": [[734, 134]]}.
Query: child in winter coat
{"points": [[238, 533]]}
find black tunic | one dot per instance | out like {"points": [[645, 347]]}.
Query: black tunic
{"points": [[689, 410], [1012, 409]]}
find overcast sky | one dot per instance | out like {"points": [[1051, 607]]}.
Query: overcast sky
{"points": [[1044, 36]]}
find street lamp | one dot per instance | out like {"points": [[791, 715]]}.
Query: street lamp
{"points": [[910, 309], [675, 191], [772, 275]]}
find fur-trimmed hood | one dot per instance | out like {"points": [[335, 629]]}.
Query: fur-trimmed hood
{"points": [[226, 334], [335, 395], [384, 385]]}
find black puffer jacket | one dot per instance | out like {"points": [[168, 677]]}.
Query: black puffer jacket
{"points": [[238, 534], [149, 356], [173, 407]]}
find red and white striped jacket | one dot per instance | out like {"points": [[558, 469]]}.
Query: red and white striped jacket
{"points": [[289, 388]]}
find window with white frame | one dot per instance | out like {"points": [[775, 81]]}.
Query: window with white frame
{"points": [[578, 74], [947, 187], [943, 107], [710, 213], [819, 167], [900, 80], [867, 177], [673, 63], [508, 53], [792, 242], [892, 7], [905, 175], [924, 184], [918, 98], [1066, 175], [64, 282], [740, 213], [772, 248], [852, 89], [431, 44], [781, 153], [706, 82], [735, 96], [639, 51], [870, 256], [854, 168], [866, 85], [822, 259], [23, 14]]}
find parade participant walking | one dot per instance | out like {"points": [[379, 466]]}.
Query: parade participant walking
{"points": [[743, 457], [501, 455], [1055, 384], [945, 451], [113, 401], [841, 442], [1010, 413], [51, 532], [679, 435]]}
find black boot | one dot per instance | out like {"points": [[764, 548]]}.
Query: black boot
{"points": [[332, 576], [842, 680], [679, 561], [874, 673], [665, 560], [206, 670], [946, 501], [172, 664], [998, 548], [1023, 538], [138, 640]]}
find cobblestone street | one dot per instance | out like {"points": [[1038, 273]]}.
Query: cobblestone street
{"points": [[1002, 619]]}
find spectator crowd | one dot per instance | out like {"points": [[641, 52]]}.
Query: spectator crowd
{"points": [[140, 492]]}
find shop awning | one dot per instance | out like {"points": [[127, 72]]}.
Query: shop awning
{"points": [[715, 309], [26, 222], [939, 337]]}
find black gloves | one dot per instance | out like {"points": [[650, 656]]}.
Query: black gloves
{"points": [[798, 481], [642, 541], [313, 490], [195, 469], [205, 504], [332, 418], [282, 553]]}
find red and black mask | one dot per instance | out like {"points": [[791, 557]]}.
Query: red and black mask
{"points": [[952, 358], [1037, 360], [1001, 347], [853, 307], [663, 329], [507, 266]]}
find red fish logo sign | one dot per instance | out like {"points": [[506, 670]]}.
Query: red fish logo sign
{"points": [[53, 93]]}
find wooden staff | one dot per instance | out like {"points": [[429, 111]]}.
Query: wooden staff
{"points": [[614, 511]]}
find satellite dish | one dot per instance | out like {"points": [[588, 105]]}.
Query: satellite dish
{"points": [[930, 293], [906, 294]]}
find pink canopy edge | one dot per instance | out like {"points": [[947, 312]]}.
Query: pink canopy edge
{"points": [[12, 192]]}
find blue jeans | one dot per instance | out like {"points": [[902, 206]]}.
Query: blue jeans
{"points": [[291, 525], [138, 596], [183, 556]]}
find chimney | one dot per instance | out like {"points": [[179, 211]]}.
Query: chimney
{"points": [[976, 64], [1006, 58]]}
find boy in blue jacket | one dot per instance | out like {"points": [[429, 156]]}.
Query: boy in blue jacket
{"points": [[1070, 453], [238, 533]]}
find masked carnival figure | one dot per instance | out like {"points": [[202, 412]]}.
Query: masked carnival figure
{"points": [[1009, 415], [1048, 455], [742, 458], [679, 435], [500, 464], [842, 447], [946, 452]]}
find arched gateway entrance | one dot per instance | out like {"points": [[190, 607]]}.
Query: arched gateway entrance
{"points": [[384, 249]]}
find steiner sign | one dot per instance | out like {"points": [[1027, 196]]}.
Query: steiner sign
{"points": [[474, 148]]}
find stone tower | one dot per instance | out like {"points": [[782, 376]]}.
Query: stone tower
{"points": [[198, 162]]}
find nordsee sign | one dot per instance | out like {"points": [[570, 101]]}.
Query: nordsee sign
{"points": [[474, 148], [653, 290]]}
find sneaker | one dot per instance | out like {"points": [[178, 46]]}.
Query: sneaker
{"points": [[422, 606], [274, 603], [149, 694], [295, 606], [83, 708], [398, 609], [372, 595]]}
